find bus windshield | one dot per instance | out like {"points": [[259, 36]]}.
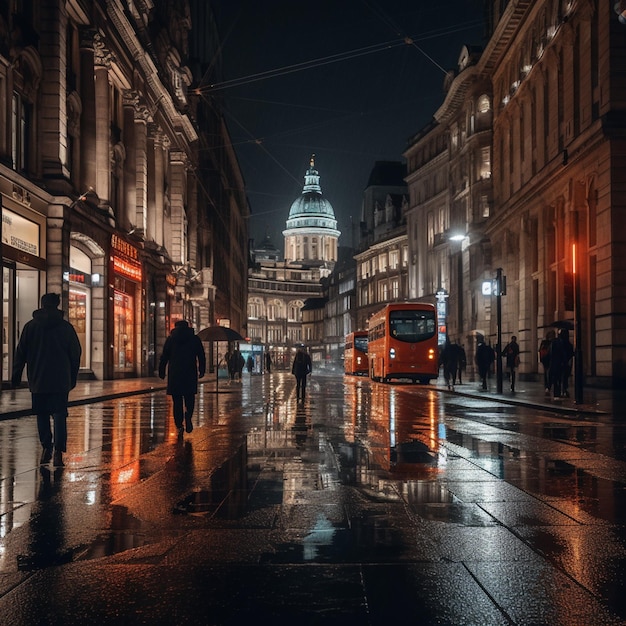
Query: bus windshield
{"points": [[412, 326], [360, 343]]}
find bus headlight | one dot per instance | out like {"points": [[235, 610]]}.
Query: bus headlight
{"points": [[392, 353]]}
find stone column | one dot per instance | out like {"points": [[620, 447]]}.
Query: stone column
{"points": [[53, 135], [142, 117], [130, 101], [102, 122], [88, 116], [177, 205]]}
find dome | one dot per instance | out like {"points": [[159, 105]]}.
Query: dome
{"points": [[311, 203]]}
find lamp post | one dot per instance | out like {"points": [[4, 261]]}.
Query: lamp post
{"points": [[500, 291], [578, 351]]}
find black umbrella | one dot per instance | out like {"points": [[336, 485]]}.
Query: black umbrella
{"points": [[567, 324], [219, 333]]}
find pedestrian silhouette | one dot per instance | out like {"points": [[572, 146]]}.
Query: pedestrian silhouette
{"points": [[449, 358], [511, 354], [561, 354], [544, 359], [235, 364], [268, 362], [485, 357], [250, 364], [462, 362], [184, 358], [50, 349], [301, 368]]}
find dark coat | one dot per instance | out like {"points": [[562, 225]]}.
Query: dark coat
{"points": [[511, 354], [485, 356], [301, 364], [50, 350], [183, 354]]}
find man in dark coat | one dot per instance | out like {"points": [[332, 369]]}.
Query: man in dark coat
{"points": [[50, 349], [185, 360], [485, 357], [301, 368], [449, 357]]}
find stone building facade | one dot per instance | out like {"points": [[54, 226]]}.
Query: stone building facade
{"points": [[548, 214], [381, 254], [102, 200]]}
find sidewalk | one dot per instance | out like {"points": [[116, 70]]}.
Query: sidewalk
{"points": [[17, 402], [532, 394]]}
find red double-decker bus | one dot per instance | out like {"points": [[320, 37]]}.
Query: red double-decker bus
{"points": [[402, 342], [355, 353]]}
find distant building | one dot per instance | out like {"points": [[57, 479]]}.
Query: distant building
{"points": [[279, 289], [382, 251]]}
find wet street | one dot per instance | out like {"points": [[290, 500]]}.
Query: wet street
{"points": [[367, 502]]}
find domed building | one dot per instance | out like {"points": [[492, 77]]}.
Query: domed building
{"points": [[311, 236], [285, 297]]}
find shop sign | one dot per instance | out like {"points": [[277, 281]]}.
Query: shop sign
{"points": [[123, 247], [20, 233], [125, 261], [127, 268]]}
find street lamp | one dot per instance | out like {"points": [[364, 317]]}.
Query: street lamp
{"points": [[500, 291], [578, 351]]}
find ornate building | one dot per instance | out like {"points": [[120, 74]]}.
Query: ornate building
{"points": [[311, 235], [279, 290], [105, 198], [524, 161]]}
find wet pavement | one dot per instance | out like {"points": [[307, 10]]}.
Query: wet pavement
{"points": [[366, 502]]}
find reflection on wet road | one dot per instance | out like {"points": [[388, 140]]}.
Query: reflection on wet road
{"points": [[461, 510]]}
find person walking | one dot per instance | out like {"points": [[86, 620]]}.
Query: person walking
{"points": [[544, 359], [462, 362], [268, 363], [301, 368], [511, 354], [250, 364], [184, 358], [235, 365], [50, 349], [561, 354], [449, 360], [485, 357], [568, 356]]}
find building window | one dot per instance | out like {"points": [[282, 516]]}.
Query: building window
{"points": [[484, 104], [21, 116], [485, 162]]}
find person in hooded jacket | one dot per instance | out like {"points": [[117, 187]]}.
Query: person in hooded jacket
{"points": [[50, 349], [184, 358]]}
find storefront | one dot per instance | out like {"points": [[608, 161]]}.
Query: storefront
{"points": [[23, 270], [125, 314]]}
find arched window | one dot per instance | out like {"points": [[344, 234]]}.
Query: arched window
{"points": [[484, 103], [27, 72]]}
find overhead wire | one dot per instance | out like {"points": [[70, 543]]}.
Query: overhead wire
{"points": [[404, 40]]}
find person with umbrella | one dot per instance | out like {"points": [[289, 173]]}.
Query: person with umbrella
{"points": [[184, 358]]}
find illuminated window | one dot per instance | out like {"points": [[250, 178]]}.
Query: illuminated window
{"points": [[484, 104]]}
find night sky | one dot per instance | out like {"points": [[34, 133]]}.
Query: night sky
{"points": [[333, 78]]}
